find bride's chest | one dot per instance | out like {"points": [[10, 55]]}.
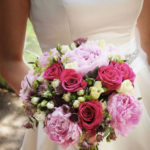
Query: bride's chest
{"points": [[83, 11]]}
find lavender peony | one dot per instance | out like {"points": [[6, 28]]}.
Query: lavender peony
{"points": [[26, 85], [126, 112], [60, 129], [87, 56], [44, 60]]}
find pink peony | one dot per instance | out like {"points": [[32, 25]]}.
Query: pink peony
{"points": [[44, 60], [126, 112], [110, 76], [87, 56], [72, 81], [25, 85], [54, 71], [126, 70], [61, 130]]}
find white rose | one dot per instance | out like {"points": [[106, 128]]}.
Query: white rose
{"points": [[67, 97], [65, 49], [55, 83], [72, 65], [76, 104], [126, 87], [40, 116]]}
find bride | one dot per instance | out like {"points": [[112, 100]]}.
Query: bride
{"points": [[62, 21]]}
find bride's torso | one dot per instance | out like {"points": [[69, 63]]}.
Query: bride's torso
{"points": [[62, 21]]}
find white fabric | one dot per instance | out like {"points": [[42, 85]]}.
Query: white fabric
{"points": [[62, 21]]}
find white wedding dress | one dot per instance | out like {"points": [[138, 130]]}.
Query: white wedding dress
{"points": [[62, 21]]}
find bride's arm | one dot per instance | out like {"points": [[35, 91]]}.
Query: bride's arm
{"points": [[144, 28], [13, 19]]}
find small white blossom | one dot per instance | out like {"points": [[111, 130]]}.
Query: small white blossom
{"points": [[67, 97], [126, 87], [35, 100], [76, 104], [81, 99], [55, 83], [65, 49], [50, 105], [72, 65], [40, 116]]}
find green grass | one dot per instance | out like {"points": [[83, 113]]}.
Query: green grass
{"points": [[31, 51]]}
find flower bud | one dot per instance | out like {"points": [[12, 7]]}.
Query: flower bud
{"points": [[40, 78], [67, 97], [43, 103], [28, 125], [73, 46], [35, 100], [39, 106], [55, 58], [35, 84], [81, 99], [55, 83], [65, 49], [76, 104], [50, 105], [81, 92], [47, 94]]}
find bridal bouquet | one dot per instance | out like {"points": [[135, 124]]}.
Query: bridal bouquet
{"points": [[79, 92]]}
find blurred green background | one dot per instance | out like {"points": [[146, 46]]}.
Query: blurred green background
{"points": [[31, 51]]}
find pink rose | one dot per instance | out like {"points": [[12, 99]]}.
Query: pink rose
{"points": [[61, 130], [54, 71], [110, 76], [72, 81], [125, 110], [126, 70], [90, 116]]}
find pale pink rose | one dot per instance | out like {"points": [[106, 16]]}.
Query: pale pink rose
{"points": [[126, 112], [44, 60], [61, 130], [26, 85], [87, 56]]}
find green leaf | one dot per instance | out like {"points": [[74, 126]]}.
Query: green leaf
{"points": [[106, 132]]}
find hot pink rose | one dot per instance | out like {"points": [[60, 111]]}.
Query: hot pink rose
{"points": [[54, 71], [90, 116], [61, 130], [110, 76], [125, 110], [72, 81], [126, 70]]}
